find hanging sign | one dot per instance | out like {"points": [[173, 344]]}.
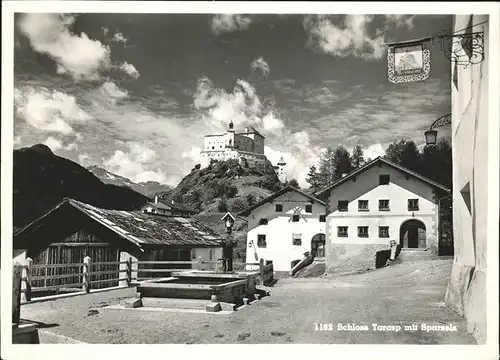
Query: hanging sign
{"points": [[408, 62]]}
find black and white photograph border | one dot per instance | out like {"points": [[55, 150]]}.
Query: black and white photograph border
{"points": [[177, 174]]}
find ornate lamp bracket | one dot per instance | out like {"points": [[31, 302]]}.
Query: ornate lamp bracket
{"points": [[442, 121]]}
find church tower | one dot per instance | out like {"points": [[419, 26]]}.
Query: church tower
{"points": [[230, 135], [281, 170]]}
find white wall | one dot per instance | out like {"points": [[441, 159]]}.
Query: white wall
{"points": [[398, 191], [280, 229], [466, 292]]}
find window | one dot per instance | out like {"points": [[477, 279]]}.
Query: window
{"points": [[412, 204], [297, 239], [322, 218], [279, 207], [295, 218], [383, 231], [383, 205], [342, 231], [384, 179], [309, 208], [342, 205], [263, 222], [362, 231], [261, 241], [362, 205], [213, 147], [211, 254]]}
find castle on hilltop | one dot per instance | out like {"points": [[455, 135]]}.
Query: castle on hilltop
{"points": [[247, 147]]}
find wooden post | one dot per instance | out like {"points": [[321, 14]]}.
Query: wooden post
{"points": [[129, 271], [261, 268], [26, 282], [86, 274], [199, 263], [17, 273]]}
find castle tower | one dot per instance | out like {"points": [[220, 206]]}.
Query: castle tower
{"points": [[281, 170], [230, 135]]}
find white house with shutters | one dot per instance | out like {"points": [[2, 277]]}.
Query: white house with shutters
{"points": [[284, 226], [379, 202]]}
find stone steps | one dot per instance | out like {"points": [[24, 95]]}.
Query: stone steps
{"points": [[416, 255], [185, 304]]}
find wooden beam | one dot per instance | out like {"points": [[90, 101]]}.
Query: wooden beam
{"points": [[74, 244]]}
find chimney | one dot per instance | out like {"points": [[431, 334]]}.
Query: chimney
{"points": [[246, 129], [156, 199]]}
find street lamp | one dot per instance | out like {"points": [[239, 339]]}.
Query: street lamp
{"points": [[431, 134]]}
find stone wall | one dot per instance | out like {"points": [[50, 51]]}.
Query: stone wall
{"points": [[346, 258]]}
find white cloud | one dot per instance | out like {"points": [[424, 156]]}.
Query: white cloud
{"points": [[351, 39], [299, 154], [53, 143], [242, 106], [373, 151], [17, 140], [401, 20], [129, 69], [84, 159], [193, 154], [46, 110], [118, 37], [260, 64], [222, 23], [49, 34], [71, 146], [133, 164], [112, 92]]}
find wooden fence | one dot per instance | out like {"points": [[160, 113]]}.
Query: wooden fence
{"points": [[131, 269]]}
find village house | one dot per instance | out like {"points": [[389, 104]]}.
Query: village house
{"points": [[472, 174], [173, 209], [72, 230], [283, 227], [373, 205]]}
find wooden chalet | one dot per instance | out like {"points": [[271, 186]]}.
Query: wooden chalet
{"points": [[72, 230]]}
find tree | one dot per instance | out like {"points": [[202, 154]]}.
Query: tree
{"points": [[326, 174], [313, 179], [250, 199], [222, 205], [342, 162], [437, 163], [405, 153], [357, 158], [294, 184]]}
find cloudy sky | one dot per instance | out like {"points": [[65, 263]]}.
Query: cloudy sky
{"points": [[136, 93]]}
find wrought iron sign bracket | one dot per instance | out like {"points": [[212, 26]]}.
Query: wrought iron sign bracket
{"points": [[442, 121], [463, 49]]}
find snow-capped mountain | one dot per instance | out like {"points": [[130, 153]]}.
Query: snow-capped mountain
{"points": [[149, 188]]}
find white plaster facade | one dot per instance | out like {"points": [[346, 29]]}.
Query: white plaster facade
{"points": [[466, 292], [281, 229], [244, 146], [364, 185]]}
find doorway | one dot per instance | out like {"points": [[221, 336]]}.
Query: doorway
{"points": [[412, 234], [318, 245]]}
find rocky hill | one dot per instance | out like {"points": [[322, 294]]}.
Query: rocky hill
{"points": [[225, 186], [42, 179], [149, 188]]}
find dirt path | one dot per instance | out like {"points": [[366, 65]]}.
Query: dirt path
{"points": [[405, 294]]}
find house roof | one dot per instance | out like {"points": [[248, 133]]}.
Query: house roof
{"points": [[281, 162], [226, 215], [370, 164], [270, 198], [174, 206], [136, 227], [158, 205]]}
